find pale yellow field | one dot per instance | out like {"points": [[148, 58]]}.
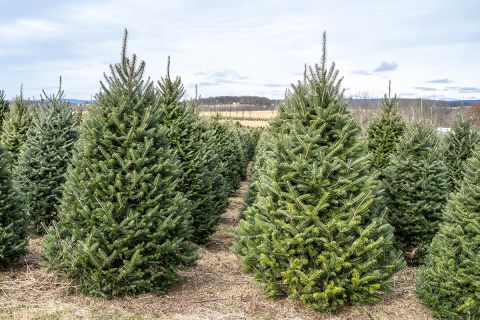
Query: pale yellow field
{"points": [[267, 115]]}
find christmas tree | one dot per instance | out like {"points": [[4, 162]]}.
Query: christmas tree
{"points": [[199, 163], [416, 189], [44, 159], [3, 108], [384, 132], [459, 146], [13, 221], [15, 126], [122, 226], [449, 281], [309, 234]]}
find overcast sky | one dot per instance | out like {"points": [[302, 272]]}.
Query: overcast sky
{"points": [[427, 48]]}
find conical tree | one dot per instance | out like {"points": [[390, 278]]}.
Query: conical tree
{"points": [[199, 163], [309, 233], [416, 189], [44, 159], [459, 146], [13, 220], [122, 226], [15, 126], [384, 132], [449, 282], [3, 108]]}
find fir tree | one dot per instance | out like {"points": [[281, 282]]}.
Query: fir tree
{"points": [[199, 163], [449, 282], [44, 159], [459, 146], [3, 108], [15, 126], [122, 226], [309, 234], [384, 132], [13, 221], [416, 189]]}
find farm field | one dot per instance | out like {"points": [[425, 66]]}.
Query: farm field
{"points": [[214, 289]]}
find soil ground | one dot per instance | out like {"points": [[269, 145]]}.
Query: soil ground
{"points": [[214, 289]]}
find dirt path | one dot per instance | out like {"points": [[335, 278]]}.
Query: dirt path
{"points": [[214, 289]]}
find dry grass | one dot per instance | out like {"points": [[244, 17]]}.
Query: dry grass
{"points": [[214, 289], [259, 114]]}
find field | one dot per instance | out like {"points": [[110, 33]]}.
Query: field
{"points": [[214, 289], [253, 119]]}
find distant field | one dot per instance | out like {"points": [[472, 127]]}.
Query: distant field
{"points": [[246, 118]]}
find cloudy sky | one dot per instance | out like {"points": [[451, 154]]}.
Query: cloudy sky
{"points": [[427, 48]]}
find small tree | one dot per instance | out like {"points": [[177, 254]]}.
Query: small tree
{"points": [[15, 126], [459, 146], [3, 108], [416, 189], [13, 221], [122, 226], [44, 159], [449, 281]]}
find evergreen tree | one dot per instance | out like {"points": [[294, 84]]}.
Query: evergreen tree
{"points": [[416, 189], [15, 126], [13, 221], [122, 226], [459, 146], [309, 234], [3, 108], [449, 282], [44, 159], [199, 163], [384, 132]]}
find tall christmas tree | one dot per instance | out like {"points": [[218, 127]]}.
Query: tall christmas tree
{"points": [[44, 159], [15, 126], [416, 189], [384, 132], [122, 226], [449, 282], [13, 221], [459, 146], [199, 163], [3, 108], [309, 233]]}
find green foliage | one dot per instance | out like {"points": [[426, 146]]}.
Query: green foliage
{"points": [[13, 221], [449, 282], [459, 146], [44, 159], [416, 189], [201, 182], [309, 234], [384, 132], [15, 127], [122, 226], [3, 108]]}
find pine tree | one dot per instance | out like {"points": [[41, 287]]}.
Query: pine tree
{"points": [[199, 163], [122, 226], [13, 221], [449, 282], [309, 234], [3, 108], [44, 159], [384, 132], [15, 126], [459, 146], [416, 189]]}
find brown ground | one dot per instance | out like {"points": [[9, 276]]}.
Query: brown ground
{"points": [[214, 289]]}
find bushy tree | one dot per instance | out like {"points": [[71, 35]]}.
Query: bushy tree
{"points": [[199, 162], [44, 159], [459, 146], [309, 233], [13, 221], [3, 108], [416, 188], [15, 127], [384, 132], [449, 282], [122, 226]]}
